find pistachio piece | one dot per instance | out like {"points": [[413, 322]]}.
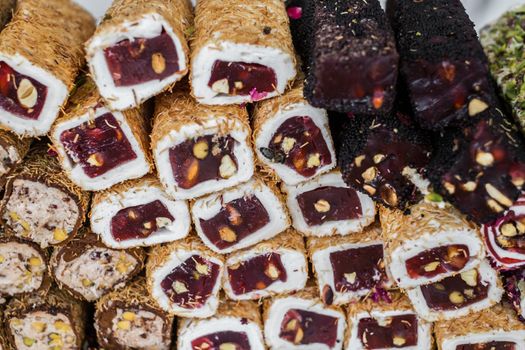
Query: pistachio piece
{"points": [[124, 325], [431, 266], [28, 341], [221, 86], [227, 168], [27, 94], [287, 145], [350, 277], [158, 63], [35, 261], [322, 206], [59, 235], [87, 282], [62, 326], [179, 287], [200, 150], [2, 259], [398, 340], [314, 160], [227, 234], [38, 326], [456, 297], [202, 268], [162, 221], [129, 316]]}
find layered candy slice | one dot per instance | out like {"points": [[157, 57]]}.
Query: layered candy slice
{"points": [[387, 325], [458, 295], [138, 213], [240, 217], [276, 266], [384, 157], [350, 56], [13, 149], [41, 55], [238, 61], [505, 237], [40, 203], [129, 318], [349, 267], [200, 149], [301, 321], [97, 147], [446, 75], [480, 168], [236, 325], [139, 50], [292, 138], [49, 321], [87, 269], [23, 268], [515, 290], [493, 329], [326, 206], [184, 278], [429, 244]]}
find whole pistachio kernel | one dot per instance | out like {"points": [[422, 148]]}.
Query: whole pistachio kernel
{"points": [[434, 197]]}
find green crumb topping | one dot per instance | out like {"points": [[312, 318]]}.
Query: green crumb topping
{"points": [[503, 42]]}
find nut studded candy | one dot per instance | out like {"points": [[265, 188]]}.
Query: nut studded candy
{"points": [[458, 295], [349, 267], [87, 269], [50, 321], [442, 62], [350, 56], [129, 318], [139, 50], [13, 149], [236, 326], [480, 168], [515, 289], [429, 244], [41, 55], [276, 266], [184, 278], [138, 213], [384, 157], [97, 147], [388, 324], [302, 321], [496, 328]]}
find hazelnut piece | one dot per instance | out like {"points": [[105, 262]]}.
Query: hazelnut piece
{"points": [[158, 63], [227, 168], [476, 106], [227, 234], [456, 297], [200, 150], [26, 94], [369, 174], [470, 277], [221, 86], [431, 266], [271, 271], [322, 206], [484, 158]]}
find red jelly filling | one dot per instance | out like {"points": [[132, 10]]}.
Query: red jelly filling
{"points": [[19, 94], [358, 268], [236, 220], [438, 260], [199, 160], [98, 146], [304, 327], [222, 340], [239, 78], [256, 273], [299, 144], [190, 284], [329, 203], [141, 60], [455, 292], [140, 221], [395, 331], [441, 91], [493, 345]]}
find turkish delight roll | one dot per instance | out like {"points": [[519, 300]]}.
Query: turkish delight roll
{"points": [[276, 266], [138, 213], [53, 321], [97, 147], [23, 268], [302, 321], [515, 290], [292, 138], [240, 217], [237, 325], [41, 54], [6, 11], [129, 319], [4, 343], [40, 203], [326, 206], [458, 295], [87, 269], [429, 244], [13, 149], [351, 57], [442, 62], [200, 149], [385, 158], [349, 267], [387, 325], [505, 237], [480, 167], [242, 51], [184, 278], [493, 329], [139, 50], [501, 41]]}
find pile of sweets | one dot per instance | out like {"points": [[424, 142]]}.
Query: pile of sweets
{"points": [[250, 175]]}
